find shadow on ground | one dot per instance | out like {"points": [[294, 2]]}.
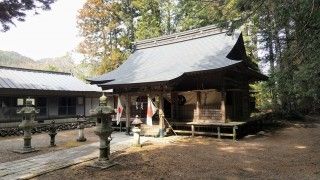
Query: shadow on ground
{"points": [[288, 152]]}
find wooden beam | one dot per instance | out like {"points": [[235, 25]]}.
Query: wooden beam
{"points": [[128, 113], [173, 104]]}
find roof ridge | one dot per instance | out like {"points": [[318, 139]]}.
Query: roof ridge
{"points": [[180, 36], [34, 70]]}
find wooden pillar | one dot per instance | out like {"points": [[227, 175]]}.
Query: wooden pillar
{"points": [[48, 111], [223, 106], [161, 115], [176, 106], [84, 106], [198, 105], [173, 104], [245, 101], [128, 113]]}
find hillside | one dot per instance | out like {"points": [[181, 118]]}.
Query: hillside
{"points": [[63, 64], [10, 58]]}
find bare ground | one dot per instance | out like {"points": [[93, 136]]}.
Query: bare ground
{"points": [[64, 140], [288, 153]]}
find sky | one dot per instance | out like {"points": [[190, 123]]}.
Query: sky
{"points": [[50, 34]]}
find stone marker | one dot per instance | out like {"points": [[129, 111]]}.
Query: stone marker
{"points": [[81, 125], [28, 116], [103, 130], [52, 133], [136, 131]]}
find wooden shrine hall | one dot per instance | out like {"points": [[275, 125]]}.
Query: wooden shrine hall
{"points": [[198, 79]]}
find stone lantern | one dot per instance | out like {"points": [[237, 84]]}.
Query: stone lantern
{"points": [[52, 133], [28, 116], [103, 130], [136, 131], [81, 125]]}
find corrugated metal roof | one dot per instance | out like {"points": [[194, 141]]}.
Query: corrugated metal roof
{"points": [[19, 78], [164, 59]]}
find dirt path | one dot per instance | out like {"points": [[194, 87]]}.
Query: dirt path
{"points": [[289, 153]]}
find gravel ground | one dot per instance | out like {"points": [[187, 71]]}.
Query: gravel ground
{"points": [[288, 153], [64, 139]]}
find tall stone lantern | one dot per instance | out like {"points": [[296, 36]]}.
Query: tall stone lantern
{"points": [[28, 116], [103, 130]]}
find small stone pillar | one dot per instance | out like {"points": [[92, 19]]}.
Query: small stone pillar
{"points": [[28, 116], [103, 130], [52, 133], [81, 125], [136, 131]]}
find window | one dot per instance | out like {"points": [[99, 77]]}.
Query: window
{"points": [[6, 108], [80, 100], [67, 106], [41, 104], [20, 102]]}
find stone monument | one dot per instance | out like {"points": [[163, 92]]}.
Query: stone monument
{"points": [[81, 125], [136, 131], [52, 133]]}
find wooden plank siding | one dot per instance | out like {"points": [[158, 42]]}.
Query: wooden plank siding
{"points": [[208, 114], [188, 113]]}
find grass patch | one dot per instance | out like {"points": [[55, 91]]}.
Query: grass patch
{"points": [[70, 144]]}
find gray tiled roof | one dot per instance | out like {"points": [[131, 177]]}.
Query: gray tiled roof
{"points": [[18, 78], [166, 58]]}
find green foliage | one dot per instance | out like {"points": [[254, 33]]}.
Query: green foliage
{"points": [[149, 22], [193, 14], [11, 10], [106, 39], [289, 33], [112, 61], [263, 95]]}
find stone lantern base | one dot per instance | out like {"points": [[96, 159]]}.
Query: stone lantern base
{"points": [[136, 137], [25, 150]]}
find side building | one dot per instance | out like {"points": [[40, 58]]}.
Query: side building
{"points": [[57, 95]]}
